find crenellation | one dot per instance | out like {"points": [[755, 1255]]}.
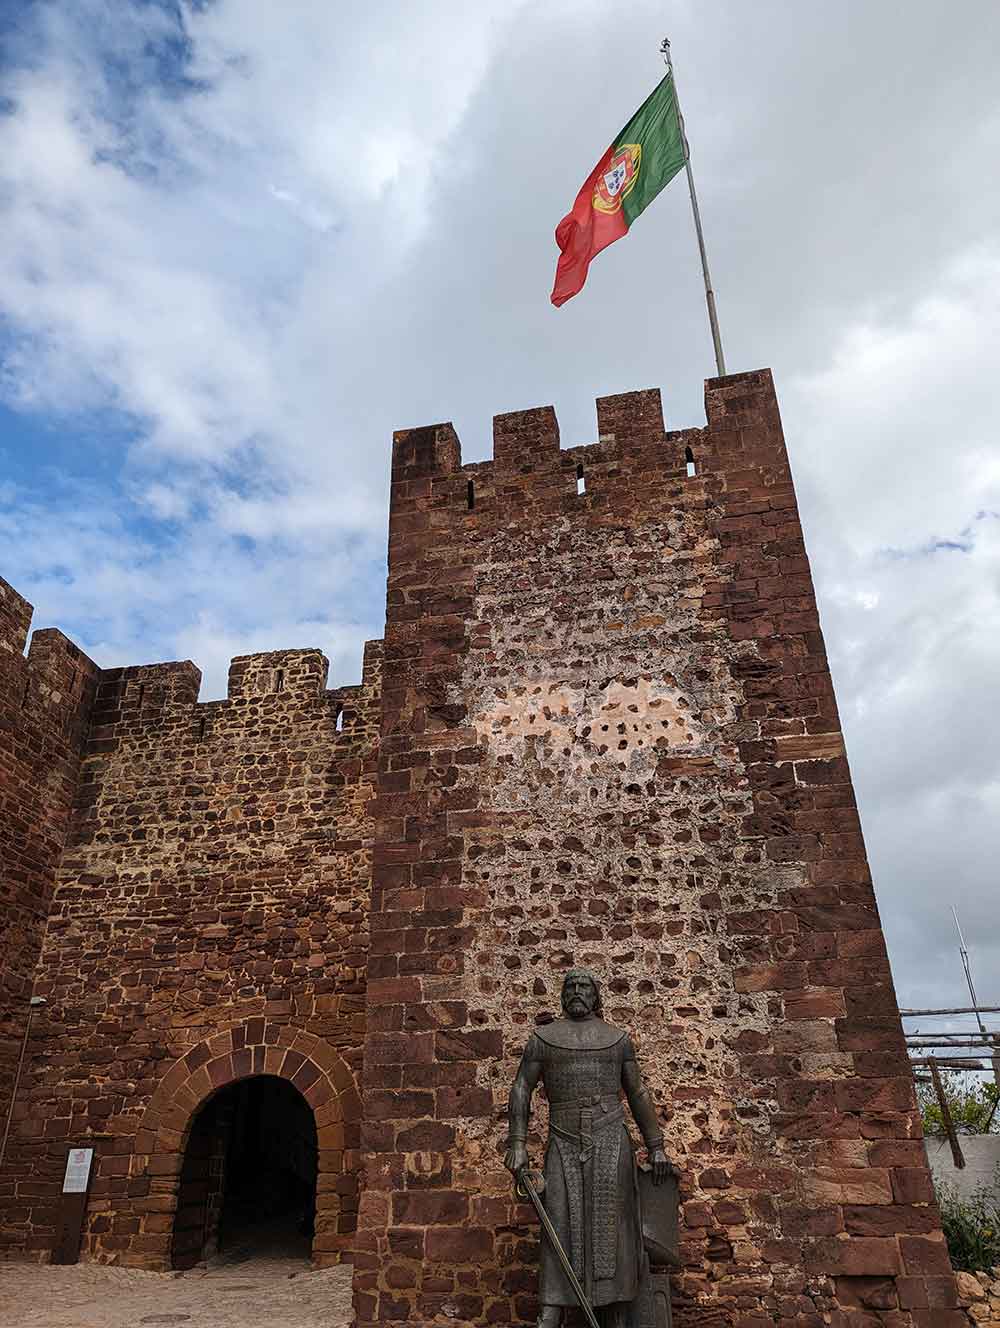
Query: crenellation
{"points": [[418, 453], [15, 619], [631, 417], [526, 441], [279, 673]]}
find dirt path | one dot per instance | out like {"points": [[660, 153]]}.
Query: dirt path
{"points": [[256, 1292]]}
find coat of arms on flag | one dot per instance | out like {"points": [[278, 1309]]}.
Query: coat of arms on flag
{"points": [[616, 182]]}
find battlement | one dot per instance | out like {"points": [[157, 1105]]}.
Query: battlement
{"points": [[15, 619], [55, 674], [296, 673], [630, 435], [164, 696], [526, 441], [637, 470]]}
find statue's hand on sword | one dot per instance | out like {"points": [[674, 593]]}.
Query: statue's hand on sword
{"points": [[515, 1159]]}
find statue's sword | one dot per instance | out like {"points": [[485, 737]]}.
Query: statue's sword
{"points": [[525, 1184]]}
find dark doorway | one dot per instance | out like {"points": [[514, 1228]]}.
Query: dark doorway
{"points": [[248, 1180]]}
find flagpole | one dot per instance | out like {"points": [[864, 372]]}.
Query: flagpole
{"points": [[713, 317]]}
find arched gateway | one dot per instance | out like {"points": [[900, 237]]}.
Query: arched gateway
{"points": [[273, 1102]]}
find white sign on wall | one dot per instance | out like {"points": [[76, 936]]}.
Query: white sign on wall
{"points": [[77, 1170]]}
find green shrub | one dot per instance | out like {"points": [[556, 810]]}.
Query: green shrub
{"points": [[973, 1107], [971, 1226]]}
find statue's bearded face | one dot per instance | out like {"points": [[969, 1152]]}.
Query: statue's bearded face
{"points": [[579, 996]]}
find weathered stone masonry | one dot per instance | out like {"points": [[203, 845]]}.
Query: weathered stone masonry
{"points": [[604, 733], [209, 922], [45, 701], [609, 736]]}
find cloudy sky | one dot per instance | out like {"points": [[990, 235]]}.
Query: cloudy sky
{"points": [[242, 241]]}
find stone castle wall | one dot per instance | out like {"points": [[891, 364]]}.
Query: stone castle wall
{"points": [[604, 733], [209, 921], [44, 707], [610, 737]]}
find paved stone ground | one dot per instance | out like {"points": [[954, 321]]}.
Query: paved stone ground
{"points": [[252, 1291]]}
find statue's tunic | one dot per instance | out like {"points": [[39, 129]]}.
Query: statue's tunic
{"points": [[591, 1188]]}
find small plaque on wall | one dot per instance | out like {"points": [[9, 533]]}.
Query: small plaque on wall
{"points": [[77, 1176], [72, 1205]]}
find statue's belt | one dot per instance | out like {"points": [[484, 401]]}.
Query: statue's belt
{"points": [[597, 1103], [592, 1116]]}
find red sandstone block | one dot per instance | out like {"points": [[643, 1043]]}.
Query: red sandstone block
{"points": [[398, 1106], [395, 1048], [814, 1005], [890, 1125], [457, 1245], [875, 1094], [772, 1180], [860, 1256], [912, 1185], [897, 1153], [890, 1219], [451, 1074], [456, 1102], [196, 1057], [847, 1185], [817, 1125], [912, 1292], [849, 973], [430, 1208], [770, 977], [811, 1220], [697, 1214], [869, 1002], [471, 1045], [924, 1256], [942, 1292], [869, 1034], [810, 1095], [425, 1135], [940, 1318]]}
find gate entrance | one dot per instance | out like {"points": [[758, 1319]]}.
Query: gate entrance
{"points": [[248, 1180]]}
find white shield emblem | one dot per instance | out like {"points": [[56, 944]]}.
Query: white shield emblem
{"points": [[615, 178]]}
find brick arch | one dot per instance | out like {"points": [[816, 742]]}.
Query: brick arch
{"points": [[258, 1046]]}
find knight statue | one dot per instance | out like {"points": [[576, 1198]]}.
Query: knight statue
{"points": [[593, 1253]]}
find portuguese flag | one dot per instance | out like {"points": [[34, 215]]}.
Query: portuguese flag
{"points": [[644, 157]]}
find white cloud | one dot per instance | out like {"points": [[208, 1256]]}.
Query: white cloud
{"points": [[341, 224], [900, 492]]}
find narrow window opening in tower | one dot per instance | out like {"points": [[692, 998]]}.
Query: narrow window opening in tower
{"points": [[340, 719], [142, 693], [279, 680], [581, 479], [26, 693], [692, 469], [201, 728], [470, 494]]}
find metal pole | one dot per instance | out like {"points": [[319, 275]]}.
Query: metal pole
{"points": [[965, 964], [713, 317], [960, 1009], [33, 1004]]}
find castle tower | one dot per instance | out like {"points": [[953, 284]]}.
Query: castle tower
{"points": [[609, 737]]}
